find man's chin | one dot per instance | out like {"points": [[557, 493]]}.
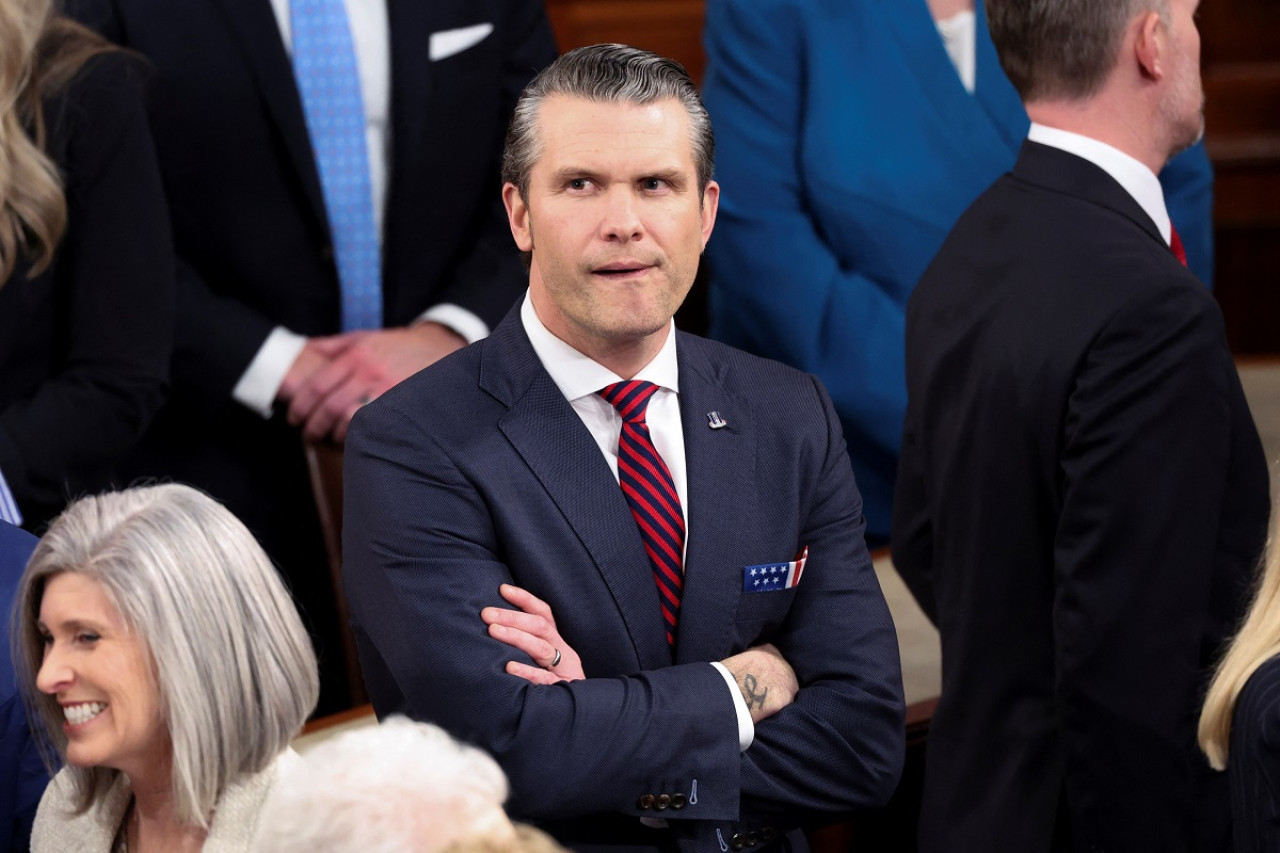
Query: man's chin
{"points": [[1188, 139]]}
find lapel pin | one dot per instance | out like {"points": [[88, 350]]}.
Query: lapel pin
{"points": [[715, 421]]}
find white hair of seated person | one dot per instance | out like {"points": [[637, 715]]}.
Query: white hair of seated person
{"points": [[398, 786]]}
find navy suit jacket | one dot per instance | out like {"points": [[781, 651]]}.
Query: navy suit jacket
{"points": [[477, 472], [1080, 505], [846, 149], [22, 774]]}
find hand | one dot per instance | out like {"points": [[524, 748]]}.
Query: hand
{"points": [[767, 681], [364, 365], [313, 357], [532, 630]]}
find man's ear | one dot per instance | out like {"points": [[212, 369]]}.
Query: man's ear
{"points": [[1150, 44], [710, 206], [517, 217]]}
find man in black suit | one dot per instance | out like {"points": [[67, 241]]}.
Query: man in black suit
{"points": [[258, 351], [1082, 493]]}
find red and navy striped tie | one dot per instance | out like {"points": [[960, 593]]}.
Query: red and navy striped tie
{"points": [[651, 493]]}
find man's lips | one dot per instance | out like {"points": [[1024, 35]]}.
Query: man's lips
{"points": [[619, 269]]}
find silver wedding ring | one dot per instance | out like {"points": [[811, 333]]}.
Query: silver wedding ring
{"points": [[555, 662]]}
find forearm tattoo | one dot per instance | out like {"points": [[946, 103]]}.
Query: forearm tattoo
{"points": [[755, 698]]}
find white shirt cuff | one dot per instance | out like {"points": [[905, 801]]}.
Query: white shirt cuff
{"points": [[746, 728], [459, 319], [8, 506], [263, 377]]}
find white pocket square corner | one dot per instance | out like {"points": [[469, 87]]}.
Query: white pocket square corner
{"points": [[448, 42]]}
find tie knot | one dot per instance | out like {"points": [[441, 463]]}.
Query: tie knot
{"points": [[630, 398]]}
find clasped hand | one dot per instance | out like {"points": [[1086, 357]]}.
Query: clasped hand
{"points": [[334, 376]]}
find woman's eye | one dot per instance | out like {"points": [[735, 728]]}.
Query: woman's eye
{"points": [[86, 637]]}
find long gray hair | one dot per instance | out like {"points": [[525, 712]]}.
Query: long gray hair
{"points": [[231, 661]]}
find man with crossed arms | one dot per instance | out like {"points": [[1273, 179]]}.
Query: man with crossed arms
{"points": [[503, 586]]}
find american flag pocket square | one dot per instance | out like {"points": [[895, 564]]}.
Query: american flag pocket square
{"points": [[774, 576]]}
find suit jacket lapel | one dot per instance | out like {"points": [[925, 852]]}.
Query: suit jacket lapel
{"points": [[978, 122], [559, 450], [258, 34], [720, 466]]}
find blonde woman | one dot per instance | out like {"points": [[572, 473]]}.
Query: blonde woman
{"points": [[165, 665], [86, 265], [1240, 722]]}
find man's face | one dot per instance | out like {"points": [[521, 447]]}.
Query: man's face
{"points": [[1183, 106], [613, 221]]}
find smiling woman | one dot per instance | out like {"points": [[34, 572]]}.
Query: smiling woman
{"points": [[168, 667]]}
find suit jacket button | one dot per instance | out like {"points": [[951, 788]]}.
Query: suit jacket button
{"points": [[664, 800], [737, 841], [645, 801], [678, 801], [752, 839]]}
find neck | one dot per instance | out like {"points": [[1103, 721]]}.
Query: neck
{"points": [[626, 358], [1109, 120], [943, 9], [154, 824]]}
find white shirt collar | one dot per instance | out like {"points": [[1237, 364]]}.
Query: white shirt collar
{"points": [[578, 376], [1130, 173]]}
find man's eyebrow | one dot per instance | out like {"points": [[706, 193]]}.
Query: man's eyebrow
{"points": [[567, 172]]}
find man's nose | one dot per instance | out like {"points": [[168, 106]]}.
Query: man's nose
{"points": [[621, 220]]}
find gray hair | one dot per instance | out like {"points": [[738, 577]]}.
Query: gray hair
{"points": [[232, 663], [1053, 49], [397, 786], [607, 73]]}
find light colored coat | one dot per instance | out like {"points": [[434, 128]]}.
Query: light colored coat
{"points": [[235, 819]]}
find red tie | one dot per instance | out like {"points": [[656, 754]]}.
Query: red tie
{"points": [[651, 493], [1175, 243]]}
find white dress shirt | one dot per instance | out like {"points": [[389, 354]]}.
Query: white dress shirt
{"points": [[960, 37], [579, 379], [370, 37], [1138, 181]]}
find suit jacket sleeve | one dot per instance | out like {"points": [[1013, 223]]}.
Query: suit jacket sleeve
{"points": [[217, 335], [112, 282], [1147, 435], [840, 745]]}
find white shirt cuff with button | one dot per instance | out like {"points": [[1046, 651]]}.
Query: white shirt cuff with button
{"points": [[8, 506], [261, 381], [746, 728], [470, 327]]}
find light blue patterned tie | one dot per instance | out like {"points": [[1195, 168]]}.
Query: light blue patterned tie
{"points": [[324, 63]]}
